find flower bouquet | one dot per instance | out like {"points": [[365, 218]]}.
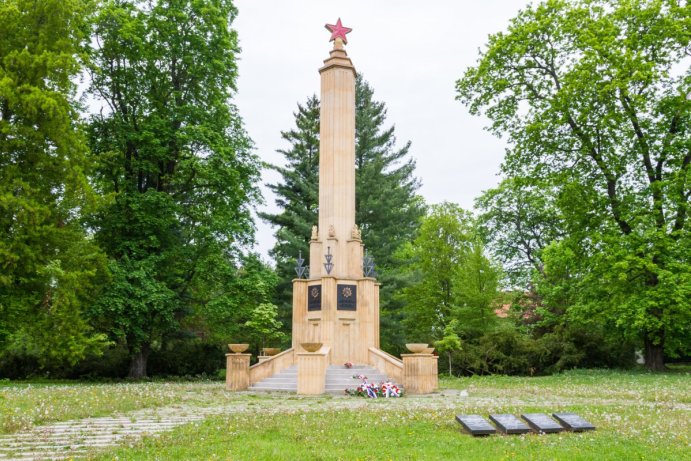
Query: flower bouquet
{"points": [[348, 365], [373, 391]]}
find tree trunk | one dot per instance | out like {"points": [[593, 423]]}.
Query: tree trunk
{"points": [[138, 363], [450, 374], [654, 355]]}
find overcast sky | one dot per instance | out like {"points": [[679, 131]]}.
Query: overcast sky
{"points": [[411, 52]]}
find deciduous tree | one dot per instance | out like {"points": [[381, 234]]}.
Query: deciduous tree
{"points": [[173, 157], [593, 98]]}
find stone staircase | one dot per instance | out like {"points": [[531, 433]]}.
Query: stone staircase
{"points": [[338, 378]]}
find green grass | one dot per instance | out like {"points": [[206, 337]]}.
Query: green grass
{"points": [[380, 433], [639, 416], [23, 405]]}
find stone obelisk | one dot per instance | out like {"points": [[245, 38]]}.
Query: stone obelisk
{"points": [[337, 305]]}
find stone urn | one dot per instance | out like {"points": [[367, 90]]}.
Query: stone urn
{"points": [[428, 350], [271, 350], [238, 348], [311, 347], [416, 348]]}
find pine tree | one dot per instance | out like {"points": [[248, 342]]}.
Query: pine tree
{"points": [[298, 197], [49, 270], [388, 210]]}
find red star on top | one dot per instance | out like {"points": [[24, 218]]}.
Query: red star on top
{"points": [[338, 31]]}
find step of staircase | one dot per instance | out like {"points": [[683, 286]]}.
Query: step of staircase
{"points": [[338, 379], [283, 381]]}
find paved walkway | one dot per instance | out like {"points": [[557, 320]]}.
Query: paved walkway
{"points": [[76, 438], [69, 439]]}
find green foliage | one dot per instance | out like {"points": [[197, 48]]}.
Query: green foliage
{"points": [[453, 279], [263, 325], [171, 153], [450, 342], [387, 208], [518, 219], [49, 269], [594, 103], [298, 197]]}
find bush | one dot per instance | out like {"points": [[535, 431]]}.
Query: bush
{"points": [[509, 351]]}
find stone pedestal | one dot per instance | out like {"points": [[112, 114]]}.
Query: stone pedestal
{"points": [[312, 372], [237, 372], [263, 358], [420, 373]]}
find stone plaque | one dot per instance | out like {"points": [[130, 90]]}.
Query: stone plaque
{"points": [[540, 422], [314, 298], [509, 424], [475, 424], [573, 422], [347, 297]]}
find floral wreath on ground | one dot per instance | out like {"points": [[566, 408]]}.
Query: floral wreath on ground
{"points": [[386, 389], [348, 365]]}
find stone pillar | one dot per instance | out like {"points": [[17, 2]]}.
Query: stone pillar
{"points": [[420, 373], [300, 333], [237, 372], [312, 371], [336, 160]]}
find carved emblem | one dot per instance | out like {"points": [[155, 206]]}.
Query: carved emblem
{"points": [[314, 292], [332, 231], [315, 233], [347, 292], [355, 234]]}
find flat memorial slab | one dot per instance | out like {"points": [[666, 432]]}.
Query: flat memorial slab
{"points": [[475, 424], [509, 424], [573, 422], [540, 422]]}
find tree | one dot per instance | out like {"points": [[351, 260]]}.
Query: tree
{"points": [[450, 342], [388, 209], [264, 325], [298, 198], [589, 95], [453, 279], [49, 269], [519, 220], [173, 158], [387, 206]]}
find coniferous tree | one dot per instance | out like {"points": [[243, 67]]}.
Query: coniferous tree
{"points": [[388, 209], [49, 270], [298, 197]]}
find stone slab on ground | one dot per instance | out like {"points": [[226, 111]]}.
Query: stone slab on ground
{"points": [[509, 424], [542, 423], [475, 425], [573, 422]]}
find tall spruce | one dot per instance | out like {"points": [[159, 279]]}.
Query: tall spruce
{"points": [[297, 196], [49, 270], [388, 209], [173, 157]]}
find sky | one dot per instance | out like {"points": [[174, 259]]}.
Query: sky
{"points": [[411, 53]]}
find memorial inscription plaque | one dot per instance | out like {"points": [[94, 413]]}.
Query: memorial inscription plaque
{"points": [[314, 298], [573, 422], [475, 424], [347, 298], [509, 424], [540, 422]]}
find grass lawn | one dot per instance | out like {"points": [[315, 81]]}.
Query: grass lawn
{"points": [[638, 416], [23, 405]]}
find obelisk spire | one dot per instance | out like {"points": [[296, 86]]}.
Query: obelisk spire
{"points": [[336, 159]]}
